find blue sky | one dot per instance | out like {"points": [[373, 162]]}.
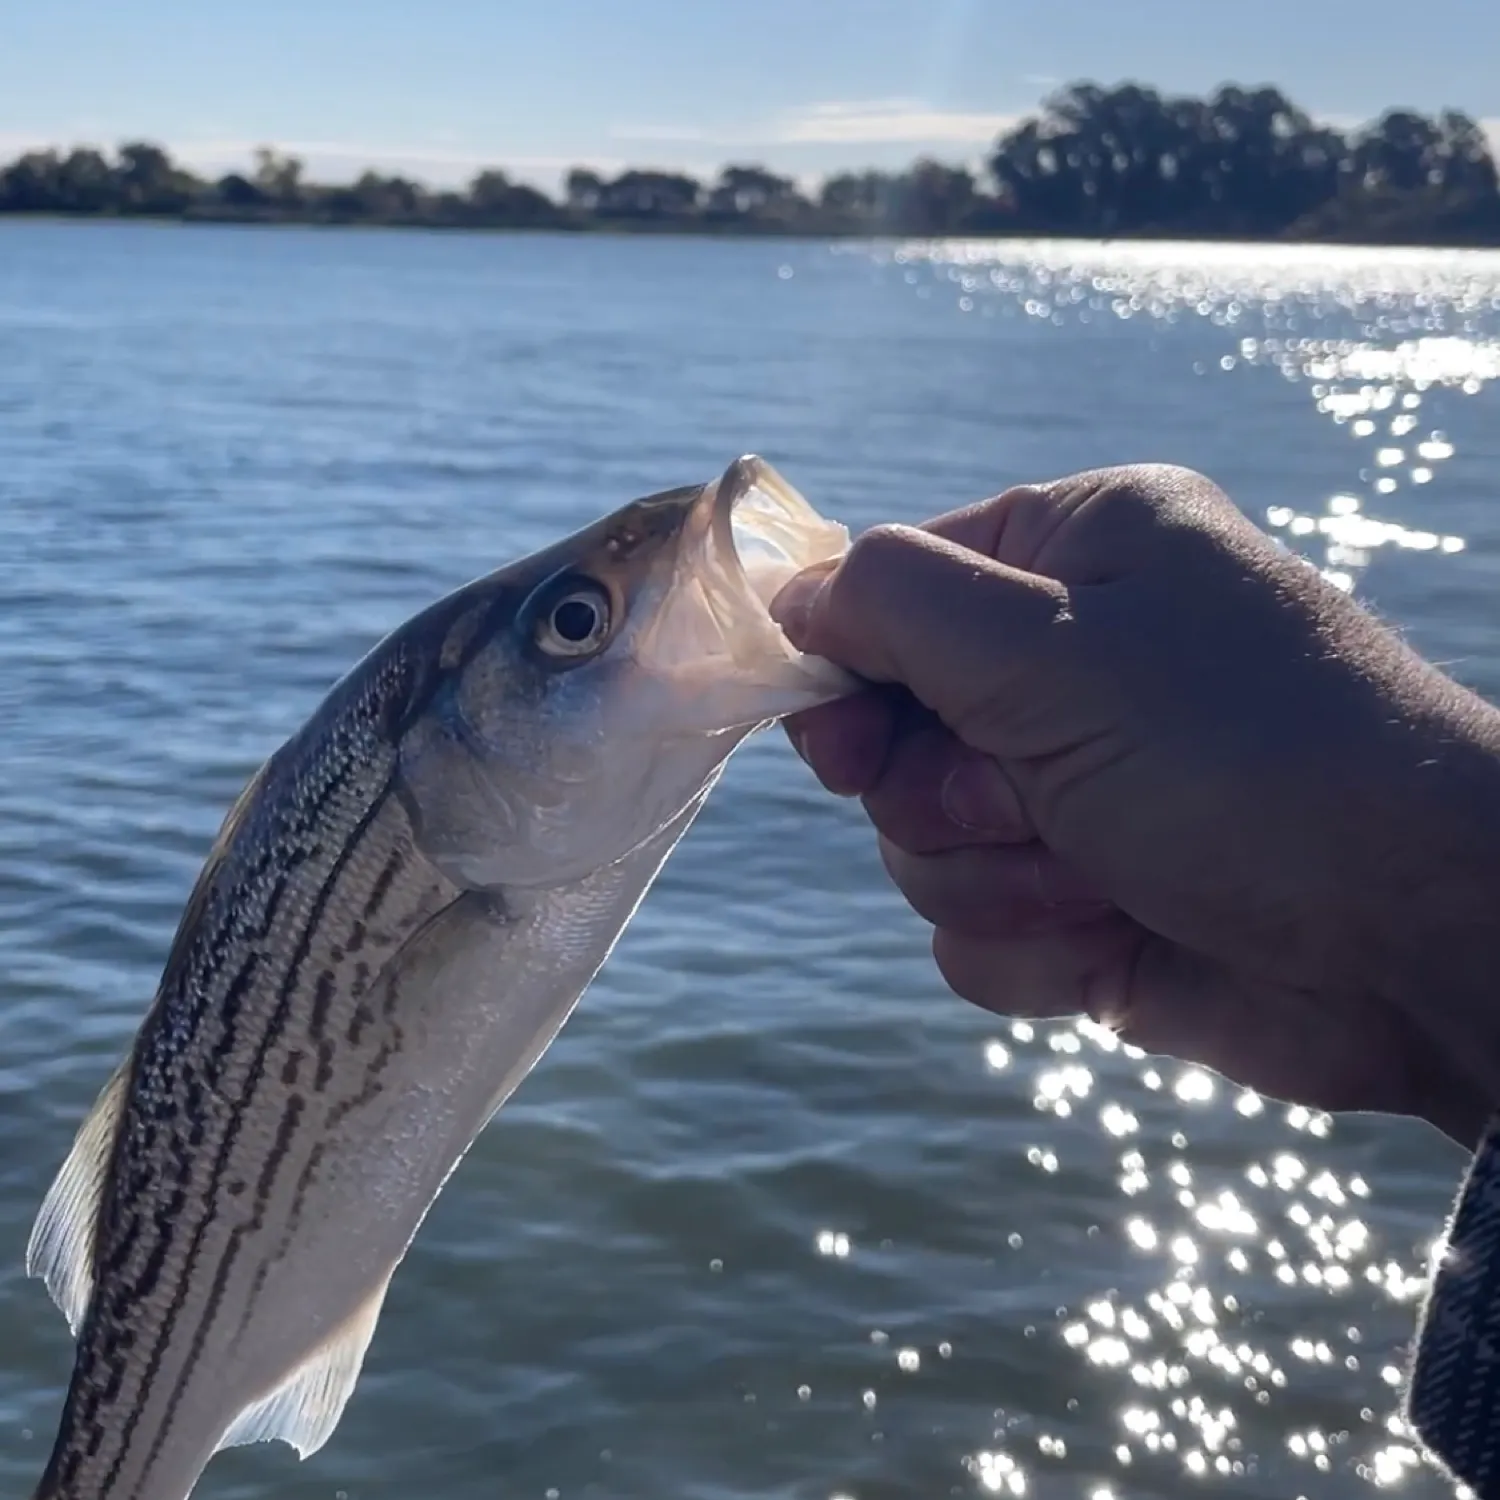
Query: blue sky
{"points": [[436, 88]]}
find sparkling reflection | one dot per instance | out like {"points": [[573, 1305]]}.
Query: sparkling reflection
{"points": [[1424, 322], [1200, 1386]]}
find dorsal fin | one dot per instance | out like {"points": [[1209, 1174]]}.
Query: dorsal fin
{"points": [[61, 1248], [305, 1408], [193, 908]]}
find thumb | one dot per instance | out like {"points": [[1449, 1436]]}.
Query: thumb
{"points": [[956, 628]]}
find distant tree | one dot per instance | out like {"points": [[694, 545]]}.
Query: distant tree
{"points": [[149, 182], [495, 200], [448, 210], [237, 192], [649, 195], [375, 199], [1041, 168], [584, 190], [532, 208], [1468, 163], [1252, 158], [1096, 159], [85, 183], [32, 184], [751, 190], [278, 177], [1125, 159], [1407, 152], [859, 200], [933, 199], [490, 193], [1413, 180]]}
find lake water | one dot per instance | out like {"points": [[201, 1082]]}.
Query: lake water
{"points": [[776, 1216]]}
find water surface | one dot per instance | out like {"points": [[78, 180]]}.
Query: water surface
{"points": [[776, 1216]]}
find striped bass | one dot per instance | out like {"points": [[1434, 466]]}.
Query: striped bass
{"points": [[397, 917]]}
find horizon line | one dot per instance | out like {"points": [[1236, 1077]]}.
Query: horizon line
{"points": [[931, 132]]}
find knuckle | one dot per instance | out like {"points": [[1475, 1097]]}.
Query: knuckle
{"points": [[1150, 485], [1020, 497], [1165, 477], [874, 552]]}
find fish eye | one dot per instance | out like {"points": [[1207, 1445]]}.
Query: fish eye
{"points": [[576, 622]]}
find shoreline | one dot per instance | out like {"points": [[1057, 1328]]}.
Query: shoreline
{"points": [[1122, 162], [761, 232]]}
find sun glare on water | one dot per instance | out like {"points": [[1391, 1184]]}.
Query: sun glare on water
{"points": [[1426, 321], [1194, 1356]]}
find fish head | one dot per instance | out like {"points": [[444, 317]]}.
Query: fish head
{"points": [[604, 682]]}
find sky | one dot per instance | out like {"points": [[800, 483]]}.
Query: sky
{"points": [[438, 89]]}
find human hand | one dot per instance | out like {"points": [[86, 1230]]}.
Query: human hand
{"points": [[1131, 758]]}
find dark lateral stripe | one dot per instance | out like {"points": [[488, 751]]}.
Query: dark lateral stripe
{"points": [[81, 1417], [166, 1216], [290, 1118], [383, 883], [368, 1092], [209, 963], [275, 1027]]}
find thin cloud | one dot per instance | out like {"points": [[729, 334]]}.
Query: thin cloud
{"points": [[873, 122], [678, 135], [15, 143], [888, 122], [440, 160]]}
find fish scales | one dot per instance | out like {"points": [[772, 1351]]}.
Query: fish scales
{"points": [[269, 993], [397, 916]]}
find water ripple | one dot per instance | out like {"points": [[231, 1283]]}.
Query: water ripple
{"points": [[776, 1216]]}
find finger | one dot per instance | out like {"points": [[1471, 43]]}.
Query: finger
{"points": [[935, 793], [979, 526], [1083, 971], [845, 742], [1134, 509], [1332, 1050], [1013, 527], [1335, 1050], [910, 607], [993, 890]]}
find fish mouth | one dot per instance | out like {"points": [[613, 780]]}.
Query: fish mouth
{"points": [[767, 527], [747, 534], [761, 533]]}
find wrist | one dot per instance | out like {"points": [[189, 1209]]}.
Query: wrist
{"points": [[1433, 948]]}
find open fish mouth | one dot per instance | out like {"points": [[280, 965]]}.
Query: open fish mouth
{"points": [[769, 527], [750, 532]]}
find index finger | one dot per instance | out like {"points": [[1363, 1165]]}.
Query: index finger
{"points": [[909, 606]]}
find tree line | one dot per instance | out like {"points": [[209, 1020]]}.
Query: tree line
{"points": [[1122, 161]]}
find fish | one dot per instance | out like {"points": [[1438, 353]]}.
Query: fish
{"points": [[398, 915]]}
